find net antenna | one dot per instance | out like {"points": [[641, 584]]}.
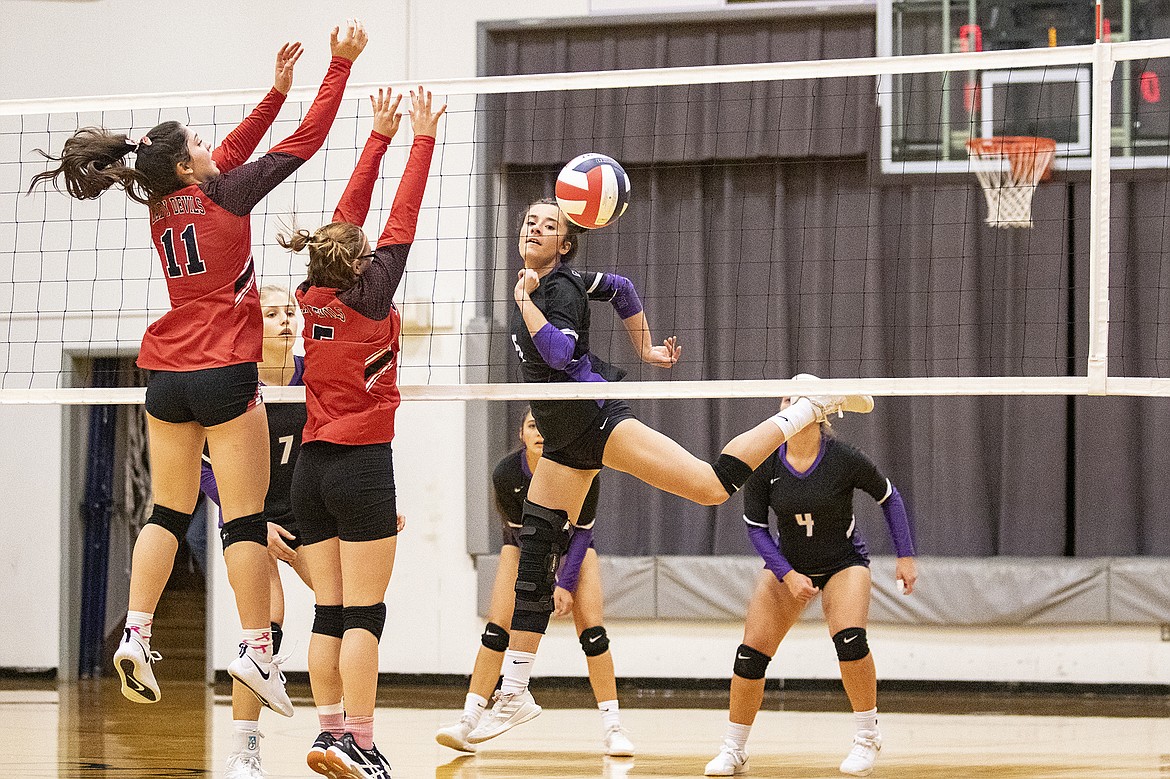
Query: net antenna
{"points": [[1009, 168]]}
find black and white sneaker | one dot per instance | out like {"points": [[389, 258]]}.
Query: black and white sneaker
{"points": [[316, 757], [353, 761], [133, 662], [265, 680]]}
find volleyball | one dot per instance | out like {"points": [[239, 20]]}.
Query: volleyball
{"points": [[593, 190]]}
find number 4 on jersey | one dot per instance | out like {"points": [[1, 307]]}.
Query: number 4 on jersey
{"points": [[195, 265], [805, 521]]}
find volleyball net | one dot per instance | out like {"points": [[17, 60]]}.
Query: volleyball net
{"points": [[785, 217]]}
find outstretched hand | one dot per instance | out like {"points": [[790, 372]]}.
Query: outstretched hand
{"points": [[664, 356], [286, 58], [386, 116], [350, 43], [423, 120]]}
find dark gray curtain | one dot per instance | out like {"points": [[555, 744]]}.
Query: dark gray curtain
{"points": [[768, 257]]}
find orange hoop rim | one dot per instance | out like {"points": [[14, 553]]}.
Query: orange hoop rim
{"points": [[1024, 152]]}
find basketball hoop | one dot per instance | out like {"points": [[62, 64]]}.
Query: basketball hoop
{"points": [[1008, 169]]}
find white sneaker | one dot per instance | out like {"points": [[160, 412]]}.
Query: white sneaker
{"points": [[731, 761], [617, 742], [860, 760], [455, 736], [265, 680], [508, 711], [827, 405], [133, 661], [244, 765]]}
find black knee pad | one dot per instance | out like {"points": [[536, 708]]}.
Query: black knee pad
{"points": [[594, 642], [750, 663], [250, 528], [174, 522], [851, 644], [327, 621], [371, 618], [277, 638], [733, 472], [544, 537], [494, 637]]}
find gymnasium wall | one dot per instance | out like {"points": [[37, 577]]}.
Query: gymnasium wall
{"points": [[433, 625]]}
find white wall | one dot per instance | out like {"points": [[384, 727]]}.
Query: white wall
{"points": [[433, 627]]}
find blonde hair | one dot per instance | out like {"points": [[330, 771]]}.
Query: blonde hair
{"points": [[332, 250]]}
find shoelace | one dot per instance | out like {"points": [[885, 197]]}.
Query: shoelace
{"points": [[246, 760], [862, 746]]}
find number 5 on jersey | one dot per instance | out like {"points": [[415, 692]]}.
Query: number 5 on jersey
{"points": [[194, 265], [805, 521]]}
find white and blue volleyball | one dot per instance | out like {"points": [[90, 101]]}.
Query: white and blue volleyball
{"points": [[593, 190]]}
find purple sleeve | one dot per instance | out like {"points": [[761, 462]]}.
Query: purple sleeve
{"points": [[555, 347], [571, 568], [774, 561], [899, 523], [619, 291], [207, 483]]}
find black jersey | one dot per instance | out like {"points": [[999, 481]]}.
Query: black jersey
{"points": [[286, 422], [563, 298], [814, 509], [511, 479]]}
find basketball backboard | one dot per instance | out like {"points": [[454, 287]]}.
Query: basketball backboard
{"points": [[928, 118]]}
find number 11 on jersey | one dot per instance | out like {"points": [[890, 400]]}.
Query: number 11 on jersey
{"points": [[805, 521]]}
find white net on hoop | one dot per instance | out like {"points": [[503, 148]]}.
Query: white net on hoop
{"points": [[1009, 168]]}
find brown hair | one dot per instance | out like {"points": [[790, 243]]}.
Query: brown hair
{"points": [[332, 250], [573, 232], [91, 162]]}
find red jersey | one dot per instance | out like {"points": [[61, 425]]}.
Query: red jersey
{"points": [[351, 336], [203, 235]]}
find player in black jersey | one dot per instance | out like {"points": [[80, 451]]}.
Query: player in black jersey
{"points": [[280, 367], [808, 485], [578, 592], [550, 331]]}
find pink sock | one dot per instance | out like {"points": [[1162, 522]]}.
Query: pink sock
{"points": [[332, 719], [259, 642], [362, 729]]}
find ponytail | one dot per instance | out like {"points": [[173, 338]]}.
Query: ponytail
{"points": [[92, 161], [332, 250]]}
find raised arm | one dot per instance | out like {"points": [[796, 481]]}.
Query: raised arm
{"points": [[621, 294], [354, 205], [241, 142], [239, 191], [373, 295]]}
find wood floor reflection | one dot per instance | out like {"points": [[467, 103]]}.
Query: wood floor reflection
{"points": [[98, 735]]}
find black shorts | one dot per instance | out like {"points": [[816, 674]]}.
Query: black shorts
{"points": [[822, 576], [511, 535], [344, 491], [210, 396], [586, 451]]}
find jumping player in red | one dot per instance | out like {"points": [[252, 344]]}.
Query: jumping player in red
{"points": [[202, 354], [343, 487]]}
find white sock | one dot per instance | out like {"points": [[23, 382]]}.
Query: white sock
{"points": [[140, 622], [610, 718], [795, 418], [259, 643], [473, 706], [738, 734], [517, 671], [246, 735], [866, 720]]}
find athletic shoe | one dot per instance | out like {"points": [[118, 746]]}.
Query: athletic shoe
{"points": [[455, 736], [617, 742], [859, 761], [316, 757], [244, 765], [731, 761], [133, 661], [827, 405], [508, 711], [265, 680], [350, 760]]}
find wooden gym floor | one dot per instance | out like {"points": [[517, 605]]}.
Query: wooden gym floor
{"points": [[87, 731]]}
